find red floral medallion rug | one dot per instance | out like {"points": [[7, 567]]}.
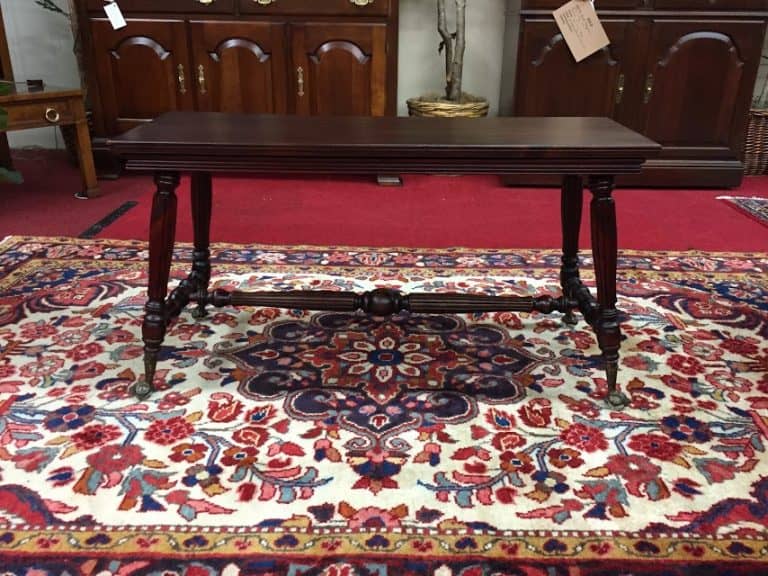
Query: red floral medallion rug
{"points": [[297, 443]]}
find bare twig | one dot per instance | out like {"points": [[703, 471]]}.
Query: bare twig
{"points": [[446, 44], [457, 72]]}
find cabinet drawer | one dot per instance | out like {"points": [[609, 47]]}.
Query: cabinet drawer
{"points": [[39, 114], [317, 7], [711, 4], [601, 4], [191, 6]]}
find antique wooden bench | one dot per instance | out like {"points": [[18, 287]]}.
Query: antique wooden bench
{"points": [[578, 149]]}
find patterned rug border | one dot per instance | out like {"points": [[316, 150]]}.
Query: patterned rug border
{"points": [[10, 239], [295, 542]]}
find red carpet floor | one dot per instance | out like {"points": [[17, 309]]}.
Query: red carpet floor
{"points": [[428, 211]]}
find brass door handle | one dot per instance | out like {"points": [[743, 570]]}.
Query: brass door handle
{"points": [[201, 78], [620, 89], [648, 89], [300, 81], [182, 81], [52, 115]]}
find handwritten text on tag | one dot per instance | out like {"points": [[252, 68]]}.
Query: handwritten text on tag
{"points": [[581, 28]]}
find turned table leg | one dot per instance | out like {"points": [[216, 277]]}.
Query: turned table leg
{"points": [[571, 197], [604, 250], [161, 236], [201, 221]]}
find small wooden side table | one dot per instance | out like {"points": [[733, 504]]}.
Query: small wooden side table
{"points": [[38, 108]]}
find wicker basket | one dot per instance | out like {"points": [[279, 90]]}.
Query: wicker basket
{"points": [[756, 143], [471, 107]]}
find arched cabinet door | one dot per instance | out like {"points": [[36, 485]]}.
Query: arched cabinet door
{"points": [[551, 83], [143, 71], [239, 66], [698, 83], [339, 70]]}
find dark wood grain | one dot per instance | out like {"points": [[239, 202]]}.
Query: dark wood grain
{"points": [[204, 143], [248, 55], [211, 142], [239, 66], [689, 69]]}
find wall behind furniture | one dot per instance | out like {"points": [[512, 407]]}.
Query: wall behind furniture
{"points": [[422, 68], [40, 43]]}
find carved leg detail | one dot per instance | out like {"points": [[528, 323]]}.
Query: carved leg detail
{"points": [[201, 219], [161, 238], [604, 249], [571, 197]]}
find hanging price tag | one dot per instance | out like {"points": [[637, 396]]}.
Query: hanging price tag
{"points": [[115, 15], [581, 28]]}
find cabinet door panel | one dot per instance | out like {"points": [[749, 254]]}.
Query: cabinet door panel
{"points": [[699, 84], [551, 83], [143, 71], [239, 66], [340, 70]]}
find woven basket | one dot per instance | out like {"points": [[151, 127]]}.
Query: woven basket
{"points": [[471, 107], [756, 144]]}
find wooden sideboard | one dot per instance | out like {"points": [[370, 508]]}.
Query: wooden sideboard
{"points": [[308, 57], [682, 72]]}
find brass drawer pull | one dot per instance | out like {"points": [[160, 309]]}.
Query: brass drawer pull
{"points": [[205, 2], [361, 2], [182, 82], [300, 80], [620, 89], [648, 89], [201, 78], [52, 115], [265, 2]]}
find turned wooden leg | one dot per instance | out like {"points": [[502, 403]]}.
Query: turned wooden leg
{"points": [[571, 197], [201, 219], [161, 236], [604, 250], [85, 154]]}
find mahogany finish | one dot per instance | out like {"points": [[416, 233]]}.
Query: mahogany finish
{"points": [[328, 57], [682, 72], [202, 144]]}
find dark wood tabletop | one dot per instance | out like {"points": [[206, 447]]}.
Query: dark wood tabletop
{"points": [[193, 141]]}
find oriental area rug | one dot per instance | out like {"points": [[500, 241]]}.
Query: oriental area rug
{"points": [[752, 206], [284, 442]]}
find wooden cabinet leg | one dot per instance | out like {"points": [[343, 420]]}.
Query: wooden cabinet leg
{"points": [[201, 221], [161, 238], [571, 197], [85, 155], [604, 250]]}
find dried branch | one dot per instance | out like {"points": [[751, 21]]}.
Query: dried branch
{"points": [[446, 44], [457, 70]]}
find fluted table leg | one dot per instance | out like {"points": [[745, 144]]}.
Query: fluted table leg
{"points": [[604, 250], [161, 237]]}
